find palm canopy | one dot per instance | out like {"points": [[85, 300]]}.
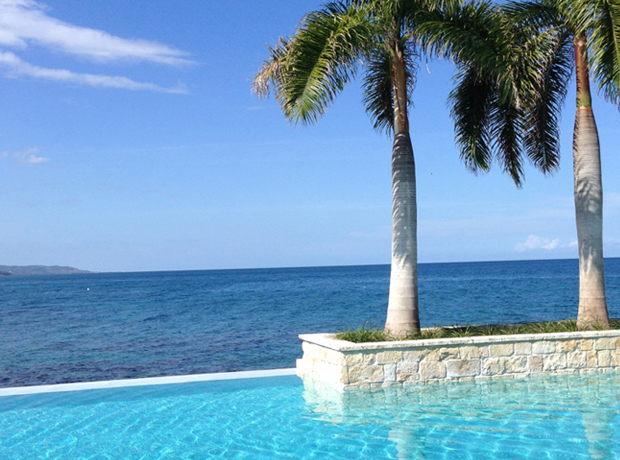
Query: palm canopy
{"points": [[494, 102], [308, 70], [597, 21]]}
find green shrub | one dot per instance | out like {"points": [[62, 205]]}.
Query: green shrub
{"points": [[373, 334], [363, 334]]}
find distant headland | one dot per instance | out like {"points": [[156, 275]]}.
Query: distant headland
{"points": [[17, 270]]}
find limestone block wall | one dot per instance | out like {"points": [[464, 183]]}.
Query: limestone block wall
{"points": [[346, 364]]}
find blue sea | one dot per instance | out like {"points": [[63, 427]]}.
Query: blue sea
{"points": [[77, 328]]}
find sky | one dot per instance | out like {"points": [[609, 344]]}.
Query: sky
{"points": [[130, 140]]}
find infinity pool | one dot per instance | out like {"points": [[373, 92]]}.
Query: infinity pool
{"points": [[548, 417]]}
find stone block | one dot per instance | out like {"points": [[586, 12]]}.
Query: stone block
{"points": [[607, 343], [373, 374], [577, 360], [414, 355], [331, 356], [463, 368], [432, 370], [554, 361], [433, 355], [343, 374], [543, 348], [309, 363], [565, 346], [389, 373], [494, 366], [388, 357], [523, 348], [586, 344], [516, 365], [614, 356], [353, 359], [535, 363], [592, 359], [354, 373], [370, 359], [448, 353], [502, 349], [471, 352], [603, 358], [365, 374], [311, 349], [406, 369]]}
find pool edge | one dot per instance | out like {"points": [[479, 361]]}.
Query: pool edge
{"points": [[61, 387]]}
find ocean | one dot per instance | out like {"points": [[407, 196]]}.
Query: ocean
{"points": [[77, 328]]}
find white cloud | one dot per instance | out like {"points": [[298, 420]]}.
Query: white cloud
{"points": [[534, 242], [28, 156], [24, 23], [18, 67]]}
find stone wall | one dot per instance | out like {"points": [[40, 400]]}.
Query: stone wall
{"points": [[346, 364]]}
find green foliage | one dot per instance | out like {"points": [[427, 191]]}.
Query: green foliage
{"points": [[363, 334], [308, 70], [495, 73], [605, 46], [378, 86], [372, 334]]}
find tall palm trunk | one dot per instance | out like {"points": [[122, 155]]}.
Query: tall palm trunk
{"points": [[588, 201], [402, 315]]}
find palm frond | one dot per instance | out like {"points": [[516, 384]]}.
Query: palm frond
{"points": [[272, 72], [471, 32], [378, 90], [605, 46], [309, 69], [545, 99], [533, 14], [471, 101], [506, 132], [378, 85]]}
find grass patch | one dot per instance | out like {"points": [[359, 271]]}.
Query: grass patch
{"points": [[363, 334], [373, 334]]}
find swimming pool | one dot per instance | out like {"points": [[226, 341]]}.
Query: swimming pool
{"points": [[567, 417]]}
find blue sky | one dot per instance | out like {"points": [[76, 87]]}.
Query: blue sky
{"points": [[130, 140]]}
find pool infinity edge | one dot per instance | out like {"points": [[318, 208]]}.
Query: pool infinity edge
{"points": [[60, 387]]}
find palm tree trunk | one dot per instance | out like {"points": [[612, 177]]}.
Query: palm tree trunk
{"points": [[588, 201], [402, 315]]}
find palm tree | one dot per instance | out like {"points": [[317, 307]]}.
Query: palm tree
{"points": [[570, 23], [309, 69], [524, 72]]}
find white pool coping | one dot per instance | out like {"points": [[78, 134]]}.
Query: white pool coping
{"points": [[15, 391]]}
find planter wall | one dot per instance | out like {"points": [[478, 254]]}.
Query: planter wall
{"points": [[349, 365]]}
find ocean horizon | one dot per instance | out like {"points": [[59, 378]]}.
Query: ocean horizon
{"points": [[91, 272], [103, 326]]}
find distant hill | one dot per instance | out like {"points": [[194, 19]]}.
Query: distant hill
{"points": [[17, 270]]}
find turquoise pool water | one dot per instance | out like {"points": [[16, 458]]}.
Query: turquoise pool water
{"points": [[543, 417]]}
